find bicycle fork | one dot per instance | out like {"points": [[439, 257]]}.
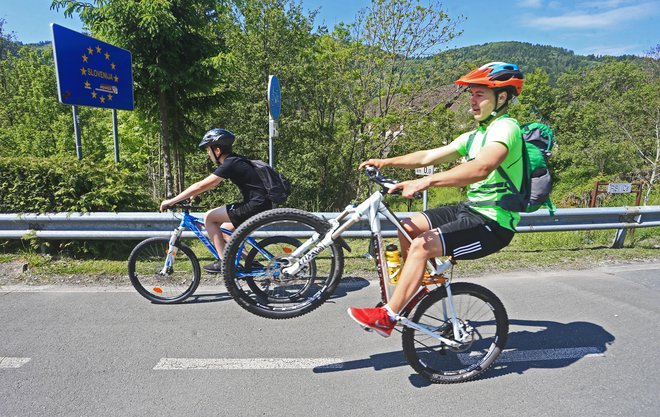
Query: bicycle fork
{"points": [[171, 251], [460, 334]]}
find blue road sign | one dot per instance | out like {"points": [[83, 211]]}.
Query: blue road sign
{"points": [[91, 72], [274, 99]]}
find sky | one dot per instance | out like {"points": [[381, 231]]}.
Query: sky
{"points": [[599, 27]]}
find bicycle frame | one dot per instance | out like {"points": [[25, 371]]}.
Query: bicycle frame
{"points": [[196, 225], [371, 208]]}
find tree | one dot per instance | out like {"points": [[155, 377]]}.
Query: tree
{"points": [[275, 37], [607, 119], [32, 122], [385, 44], [8, 45], [174, 43], [537, 102]]}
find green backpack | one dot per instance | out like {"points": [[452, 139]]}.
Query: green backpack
{"points": [[538, 140]]}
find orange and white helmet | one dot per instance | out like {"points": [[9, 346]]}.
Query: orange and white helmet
{"points": [[495, 75]]}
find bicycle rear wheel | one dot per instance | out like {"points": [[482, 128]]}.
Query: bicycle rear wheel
{"points": [[479, 312], [146, 269], [261, 287]]}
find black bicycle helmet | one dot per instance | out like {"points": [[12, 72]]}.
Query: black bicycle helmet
{"points": [[217, 137]]}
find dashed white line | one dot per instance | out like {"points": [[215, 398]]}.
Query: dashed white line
{"points": [[6, 362], [507, 356], [254, 363]]}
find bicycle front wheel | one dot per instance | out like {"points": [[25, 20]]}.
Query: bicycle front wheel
{"points": [[261, 248], [157, 281], [480, 315]]}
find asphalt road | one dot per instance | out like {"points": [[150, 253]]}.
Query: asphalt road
{"points": [[581, 343]]}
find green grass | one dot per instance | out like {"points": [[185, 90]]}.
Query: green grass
{"points": [[542, 251], [527, 251]]}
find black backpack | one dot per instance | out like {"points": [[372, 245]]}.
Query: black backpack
{"points": [[277, 186]]}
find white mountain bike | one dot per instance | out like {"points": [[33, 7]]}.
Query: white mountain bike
{"points": [[451, 333]]}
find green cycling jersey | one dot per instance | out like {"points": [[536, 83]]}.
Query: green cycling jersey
{"points": [[504, 130]]}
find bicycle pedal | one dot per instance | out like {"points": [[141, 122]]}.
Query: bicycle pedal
{"points": [[434, 280]]}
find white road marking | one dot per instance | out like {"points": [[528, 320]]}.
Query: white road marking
{"points": [[253, 363], [62, 289], [536, 355], [507, 356], [6, 362]]}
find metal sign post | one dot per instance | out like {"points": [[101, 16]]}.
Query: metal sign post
{"points": [[424, 171], [115, 135], [92, 73], [76, 132], [617, 188], [274, 102]]}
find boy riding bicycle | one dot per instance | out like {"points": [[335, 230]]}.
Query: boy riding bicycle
{"points": [[466, 230], [239, 170]]}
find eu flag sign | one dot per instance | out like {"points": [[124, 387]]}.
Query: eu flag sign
{"points": [[91, 72]]}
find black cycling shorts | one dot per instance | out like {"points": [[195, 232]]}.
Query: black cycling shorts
{"points": [[466, 234], [240, 212]]}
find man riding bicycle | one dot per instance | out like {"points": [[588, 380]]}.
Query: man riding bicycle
{"points": [[239, 170], [468, 230]]}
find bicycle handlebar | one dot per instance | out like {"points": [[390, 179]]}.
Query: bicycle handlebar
{"points": [[185, 205], [375, 175]]}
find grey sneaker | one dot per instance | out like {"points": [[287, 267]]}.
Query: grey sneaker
{"points": [[255, 265], [214, 268]]}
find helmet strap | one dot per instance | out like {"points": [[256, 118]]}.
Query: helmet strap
{"points": [[497, 109], [217, 157]]}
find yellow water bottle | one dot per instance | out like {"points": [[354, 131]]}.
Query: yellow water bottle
{"points": [[393, 257]]}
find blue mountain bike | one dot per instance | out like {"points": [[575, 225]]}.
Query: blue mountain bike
{"points": [[166, 270]]}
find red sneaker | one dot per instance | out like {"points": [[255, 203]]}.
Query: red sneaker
{"points": [[373, 319]]}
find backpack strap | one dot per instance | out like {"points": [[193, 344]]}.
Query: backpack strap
{"points": [[509, 184], [468, 145], [550, 206]]}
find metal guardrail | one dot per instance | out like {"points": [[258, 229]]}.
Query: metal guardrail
{"points": [[125, 226]]}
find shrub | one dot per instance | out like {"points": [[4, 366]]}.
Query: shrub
{"points": [[64, 184]]}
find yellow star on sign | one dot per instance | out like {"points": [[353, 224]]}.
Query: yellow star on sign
{"points": [[102, 99], [87, 84], [116, 79], [98, 49], [109, 97], [84, 57], [83, 71], [93, 94], [112, 65], [90, 50], [107, 55]]}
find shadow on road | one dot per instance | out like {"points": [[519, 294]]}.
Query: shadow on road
{"points": [[207, 298], [531, 344], [349, 284]]}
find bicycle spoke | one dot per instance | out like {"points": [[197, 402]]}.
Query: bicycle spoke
{"points": [[479, 314], [262, 283], [157, 283]]}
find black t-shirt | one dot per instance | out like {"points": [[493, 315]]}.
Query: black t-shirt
{"points": [[240, 171]]}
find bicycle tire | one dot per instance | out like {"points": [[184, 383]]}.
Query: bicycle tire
{"points": [[327, 266], [145, 263], [476, 308]]}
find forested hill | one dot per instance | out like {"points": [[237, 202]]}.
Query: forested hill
{"points": [[455, 62], [551, 59]]}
